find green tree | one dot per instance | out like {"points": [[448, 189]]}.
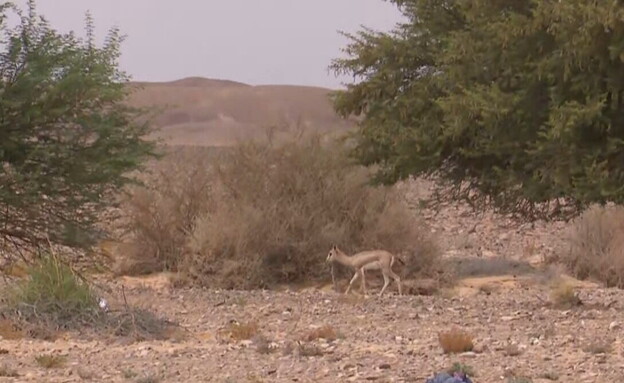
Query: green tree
{"points": [[514, 103], [67, 140]]}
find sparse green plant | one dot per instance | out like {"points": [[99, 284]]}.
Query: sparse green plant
{"points": [[455, 341], [53, 291], [51, 361], [7, 371], [461, 368]]}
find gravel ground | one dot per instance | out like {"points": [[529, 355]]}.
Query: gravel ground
{"points": [[392, 339]]}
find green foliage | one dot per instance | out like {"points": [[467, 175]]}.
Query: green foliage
{"points": [[53, 292], [519, 101], [67, 140]]}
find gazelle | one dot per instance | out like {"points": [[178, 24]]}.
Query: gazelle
{"points": [[367, 260]]}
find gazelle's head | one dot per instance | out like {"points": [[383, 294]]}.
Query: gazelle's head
{"points": [[333, 252]]}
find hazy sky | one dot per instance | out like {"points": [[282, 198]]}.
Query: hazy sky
{"points": [[252, 41]]}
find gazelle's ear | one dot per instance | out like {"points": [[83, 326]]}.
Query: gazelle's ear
{"points": [[334, 247]]}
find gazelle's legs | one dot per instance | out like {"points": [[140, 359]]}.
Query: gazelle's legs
{"points": [[386, 283], [363, 285], [355, 277], [397, 279]]}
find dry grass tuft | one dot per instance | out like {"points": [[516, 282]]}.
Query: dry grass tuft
{"points": [[263, 344], [326, 332], [309, 349], [455, 341], [9, 330], [152, 378], [512, 350], [54, 298], [129, 373], [596, 245], [519, 379], [7, 371], [564, 295], [51, 361], [241, 331], [599, 346], [550, 375], [264, 213]]}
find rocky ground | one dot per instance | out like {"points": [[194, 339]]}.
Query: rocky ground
{"points": [[517, 331], [392, 339]]}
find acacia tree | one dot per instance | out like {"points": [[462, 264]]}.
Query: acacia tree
{"points": [[515, 103], [67, 140]]}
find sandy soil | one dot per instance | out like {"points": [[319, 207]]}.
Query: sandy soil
{"points": [[392, 339]]}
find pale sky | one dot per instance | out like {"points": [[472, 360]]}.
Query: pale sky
{"points": [[252, 41]]}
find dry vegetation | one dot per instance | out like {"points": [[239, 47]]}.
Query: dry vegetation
{"points": [[51, 361], [563, 294], [455, 340], [265, 213], [54, 297], [596, 245]]}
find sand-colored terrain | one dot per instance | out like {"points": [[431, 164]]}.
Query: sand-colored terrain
{"points": [[517, 332], [205, 112]]}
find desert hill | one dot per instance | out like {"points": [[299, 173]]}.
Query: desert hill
{"points": [[207, 112]]}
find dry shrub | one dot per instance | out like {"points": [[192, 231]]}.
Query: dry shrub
{"points": [[563, 294], [263, 213], [160, 215], [326, 332], [55, 297], [599, 346], [241, 331], [596, 245], [51, 361], [9, 330], [455, 341], [7, 371], [308, 349], [512, 350]]}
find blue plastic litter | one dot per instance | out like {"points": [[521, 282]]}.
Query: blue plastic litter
{"points": [[444, 377]]}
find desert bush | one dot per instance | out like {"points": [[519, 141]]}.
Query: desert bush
{"points": [[265, 212], [596, 245], [51, 361], [7, 371], [54, 297], [53, 292], [455, 341], [161, 215], [563, 294]]}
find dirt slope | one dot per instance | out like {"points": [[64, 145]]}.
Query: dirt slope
{"points": [[206, 112]]}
